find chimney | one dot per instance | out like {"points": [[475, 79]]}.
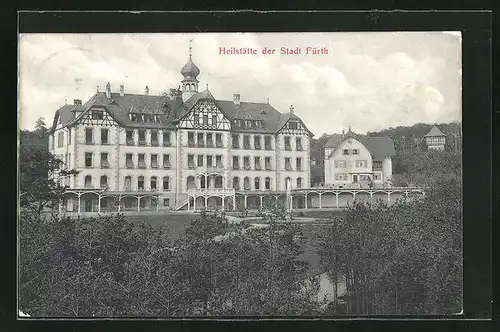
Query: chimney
{"points": [[122, 90], [108, 90], [236, 98], [291, 109], [267, 101], [343, 133], [77, 101], [146, 90], [97, 89]]}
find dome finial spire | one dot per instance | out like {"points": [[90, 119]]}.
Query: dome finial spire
{"points": [[190, 47]]}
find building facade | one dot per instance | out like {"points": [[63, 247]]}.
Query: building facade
{"points": [[141, 151], [352, 161], [435, 139]]}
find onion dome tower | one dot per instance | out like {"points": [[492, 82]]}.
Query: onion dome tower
{"points": [[189, 84]]}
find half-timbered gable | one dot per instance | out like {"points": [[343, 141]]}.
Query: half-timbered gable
{"points": [[97, 116], [205, 115]]}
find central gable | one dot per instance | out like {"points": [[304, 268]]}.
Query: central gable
{"points": [[97, 116], [205, 114], [294, 126]]}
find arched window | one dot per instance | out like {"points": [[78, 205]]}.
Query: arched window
{"points": [[104, 181], [153, 183], [299, 182], [128, 183], [257, 183], [288, 183], [166, 183], [190, 183], [140, 183], [246, 183], [236, 183], [267, 183], [88, 181]]}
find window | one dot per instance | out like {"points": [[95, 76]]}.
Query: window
{"points": [[288, 183], [166, 183], [88, 136], [236, 141], [154, 161], [258, 166], [200, 160], [299, 182], [128, 183], [166, 202], [293, 125], [268, 163], [214, 120], [104, 182], [355, 151], [341, 176], [60, 139], [246, 142], [298, 143], [88, 159], [104, 160], [132, 117], [362, 163], [377, 164], [218, 161], [257, 183], [196, 118], [191, 161], [166, 138], [256, 142], [97, 115], [191, 142], [69, 135], [130, 137], [246, 183], [340, 164], [298, 163], [153, 183], [201, 142], [236, 162], [237, 123], [142, 137], [267, 183], [218, 140], [246, 163], [104, 136], [210, 141], [205, 119], [267, 143], [142, 161], [377, 176], [129, 162], [88, 181], [287, 143], [288, 164], [345, 152], [166, 161], [140, 183], [209, 161], [154, 138], [236, 183]]}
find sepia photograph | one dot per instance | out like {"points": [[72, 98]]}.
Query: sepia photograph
{"points": [[183, 175]]}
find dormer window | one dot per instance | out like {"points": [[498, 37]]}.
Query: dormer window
{"points": [[133, 117], [293, 125]]}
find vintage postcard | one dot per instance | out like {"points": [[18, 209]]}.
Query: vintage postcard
{"points": [[178, 175]]}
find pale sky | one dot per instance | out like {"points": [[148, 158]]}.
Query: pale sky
{"points": [[368, 80]]}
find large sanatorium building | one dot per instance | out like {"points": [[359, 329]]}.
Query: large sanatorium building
{"points": [[180, 150]]}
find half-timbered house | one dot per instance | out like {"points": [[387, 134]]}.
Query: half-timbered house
{"points": [[184, 149]]}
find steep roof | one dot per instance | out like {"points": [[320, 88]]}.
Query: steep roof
{"points": [[434, 132], [379, 147], [170, 111]]}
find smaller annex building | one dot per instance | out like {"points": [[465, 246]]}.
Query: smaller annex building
{"points": [[435, 139], [354, 161]]}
